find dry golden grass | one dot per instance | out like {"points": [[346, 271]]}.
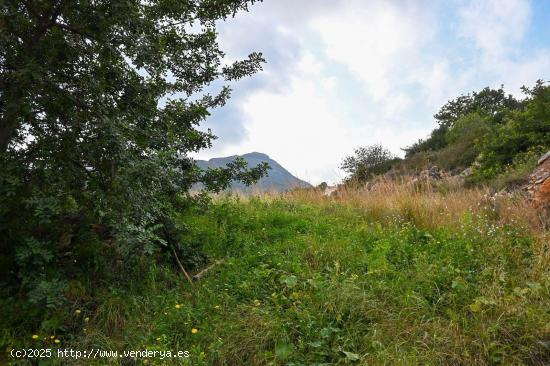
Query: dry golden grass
{"points": [[428, 205]]}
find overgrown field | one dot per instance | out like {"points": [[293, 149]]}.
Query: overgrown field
{"points": [[393, 277]]}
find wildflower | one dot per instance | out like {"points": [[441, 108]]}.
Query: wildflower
{"points": [[57, 341], [178, 306], [52, 337], [257, 302], [86, 319], [158, 338], [217, 307], [77, 311], [35, 336], [194, 330]]}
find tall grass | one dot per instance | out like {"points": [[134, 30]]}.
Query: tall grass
{"points": [[407, 274], [429, 205]]}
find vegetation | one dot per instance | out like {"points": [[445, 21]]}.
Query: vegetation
{"points": [[99, 107], [368, 162], [496, 134], [100, 104], [388, 277]]}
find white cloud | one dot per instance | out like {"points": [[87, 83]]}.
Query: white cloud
{"points": [[379, 41], [402, 61], [306, 128], [494, 25]]}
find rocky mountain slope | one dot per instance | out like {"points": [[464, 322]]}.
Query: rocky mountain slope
{"points": [[279, 179]]}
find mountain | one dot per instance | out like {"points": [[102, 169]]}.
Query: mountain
{"points": [[279, 179]]}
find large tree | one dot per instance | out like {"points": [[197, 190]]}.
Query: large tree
{"points": [[99, 107]]}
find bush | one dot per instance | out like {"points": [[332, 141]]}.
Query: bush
{"points": [[368, 162]]}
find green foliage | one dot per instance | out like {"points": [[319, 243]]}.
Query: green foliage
{"points": [[495, 133], [367, 162], [435, 141], [99, 108], [521, 132], [464, 141], [325, 284], [516, 174], [488, 102], [491, 104]]}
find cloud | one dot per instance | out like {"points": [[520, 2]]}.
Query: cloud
{"points": [[305, 128], [377, 40], [495, 26], [349, 73]]}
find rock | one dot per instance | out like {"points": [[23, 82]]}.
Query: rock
{"points": [[330, 190], [433, 173], [542, 195], [544, 158], [539, 183], [466, 172]]}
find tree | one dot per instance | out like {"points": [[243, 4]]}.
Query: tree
{"points": [[367, 162], [487, 102], [435, 141], [99, 107], [490, 104], [526, 131]]}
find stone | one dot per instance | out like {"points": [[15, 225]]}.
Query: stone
{"points": [[466, 172], [539, 183], [544, 158]]}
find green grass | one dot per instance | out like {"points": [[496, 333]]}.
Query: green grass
{"points": [[310, 284]]}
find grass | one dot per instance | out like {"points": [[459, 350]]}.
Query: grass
{"points": [[401, 275]]}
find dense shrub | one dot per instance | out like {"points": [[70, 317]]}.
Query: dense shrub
{"points": [[367, 162], [496, 133], [95, 138]]}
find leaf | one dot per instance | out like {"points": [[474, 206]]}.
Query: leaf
{"points": [[283, 350], [475, 307], [352, 356], [290, 281], [316, 344]]}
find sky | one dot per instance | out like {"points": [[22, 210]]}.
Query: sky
{"points": [[347, 73]]}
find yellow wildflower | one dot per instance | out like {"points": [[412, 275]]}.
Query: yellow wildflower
{"points": [[178, 306], [158, 338], [257, 302], [35, 336], [52, 337], [77, 311], [217, 307], [194, 330], [57, 341]]}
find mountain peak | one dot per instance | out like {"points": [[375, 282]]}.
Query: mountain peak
{"points": [[256, 155], [278, 178]]}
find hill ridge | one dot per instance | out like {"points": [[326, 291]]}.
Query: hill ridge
{"points": [[278, 178]]}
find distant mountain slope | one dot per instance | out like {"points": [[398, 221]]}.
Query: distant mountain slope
{"points": [[279, 179]]}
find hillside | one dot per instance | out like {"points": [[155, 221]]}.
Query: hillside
{"points": [[278, 179], [396, 276]]}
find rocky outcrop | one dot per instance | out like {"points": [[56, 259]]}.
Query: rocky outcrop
{"points": [[330, 191], [539, 183]]}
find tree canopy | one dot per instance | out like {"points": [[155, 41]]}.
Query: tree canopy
{"points": [[367, 161], [100, 103]]}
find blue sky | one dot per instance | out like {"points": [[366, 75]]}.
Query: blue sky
{"points": [[347, 73]]}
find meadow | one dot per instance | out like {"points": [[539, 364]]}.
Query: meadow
{"points": [[397, 276]]}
